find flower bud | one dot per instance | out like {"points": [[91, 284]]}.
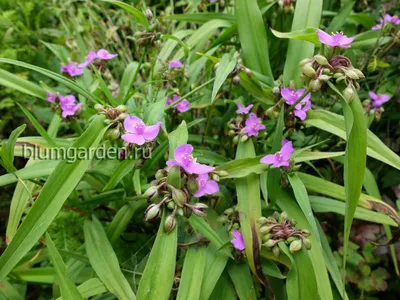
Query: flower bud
{"points": [[359, 73], [113, 134], [276, 251], [283, 216], [351, 74], [244, 138], [180, 212], [321, 59], [231, 133], [98, 107], [270, 243], [324, 78], [276, 215], [295, 246], [290, 239], [276, 90], [266, 237], [308, 70], [305, 232], [192, 185], [307, 243], [262, 220], [122, 116], [248, 72], [151, 192], [266, 229], [215, 177], [161, 174], [174, 177], [235, 140], [171, 205], [326, 71], [187, 211], [236, 80], [122, 108], [303, 62], [179, 197], [348, 94], [223, 219], [222, 173], [229, 211], [169, 223], [315, 85], [216, 66], [107, 121], [198, 208], [149, 14], [152, 212]]}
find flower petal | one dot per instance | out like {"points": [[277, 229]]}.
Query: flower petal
{"points": [[287, 150], [182, 150], [324, 38], [196, 168], [131, 122], [151, 132], [211, 187], [133, 138], [268, 159]]}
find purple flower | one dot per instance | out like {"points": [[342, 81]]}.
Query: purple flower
{"points": [[213, 1], [291, 95], [334, 40], [253, 125], [395, 20], [173, 64], [184, 159], [104, 54], [238, 241], [138, 132], [206, 186], [280, 158], [301, 108], [181, 106], [51, 97], [378, 99], [71, 69], [68, 105], [243, 110], [89, 58]]}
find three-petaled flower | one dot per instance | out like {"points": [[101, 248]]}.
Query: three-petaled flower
{"points": [[253, 125], [243, 110], [182, 106], [291, 95], [51, 97], [378, 99], [395, 20], [237, 240], [335, 40], [206, 186], [183, 158], [68, 105], [71, 69], [280, 158], [176, 63], [92, 55], [138, 132]]}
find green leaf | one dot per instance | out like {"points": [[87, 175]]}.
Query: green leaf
{"points": [[90, 288], [7, 149], [339, 20], [9, 292], [201, 18], [159, 273], [225, 289], [249, 205], [56, 190], [307, 34], [15, 82], [140, 17], [127, 80], [123, 169], [68, 82], [225, 67], [253, 37], [192, 274], [37, 126], [201, 225], [177, 137], [307, 15], [104, 261], [104, 88], [242, 280], [68, 289], [334, 124]]}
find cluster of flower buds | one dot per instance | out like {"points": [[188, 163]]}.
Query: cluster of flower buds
{"points": [[230, 217], [115, 118], [204, 3], [241, 128], [171, 191], [235, 74], [286, 6], [151, 37], [319, 69], [279, 228]]}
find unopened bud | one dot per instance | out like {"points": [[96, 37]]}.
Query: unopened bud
{"points": [[152, 212], [192, 185], [305, 232], [222, 173], [276, 90], [179, 197], [303, 62], [348, 94], [326, 71], [169, 223], [276, 215], [321, 59], [122, 108], [295, 246], [98, 107], [107, 121], [160, 174], [262, 220], [359, 73], [266, 237], [276, 251], [236, 80], [122, 116], [270, 243], [198, 209], [248, 72], [151, 192], [187, 211], [171, 205], [229, 211], [315, 85], [324, 78], [307, 243], [216, 66], [283, 215], [266, 229], [235, 140], [223, 219], [351, 74], [113, 134], [149, 14], [244, 138], [308, 70], [231, 133]]}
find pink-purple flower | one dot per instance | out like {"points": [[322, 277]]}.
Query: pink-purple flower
{"points": [[243, 110], [183, 158], [378, 99], [206, 186], [105, 55], [395, 20], [71, 69], [335, 40], [181, 106], [138, 132], [291, 95], [253, 125], [176, 63], [51, 97], [301, 108], [101, 54], [237, 240], [89, 58], [68, 105], [280, 158]]}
